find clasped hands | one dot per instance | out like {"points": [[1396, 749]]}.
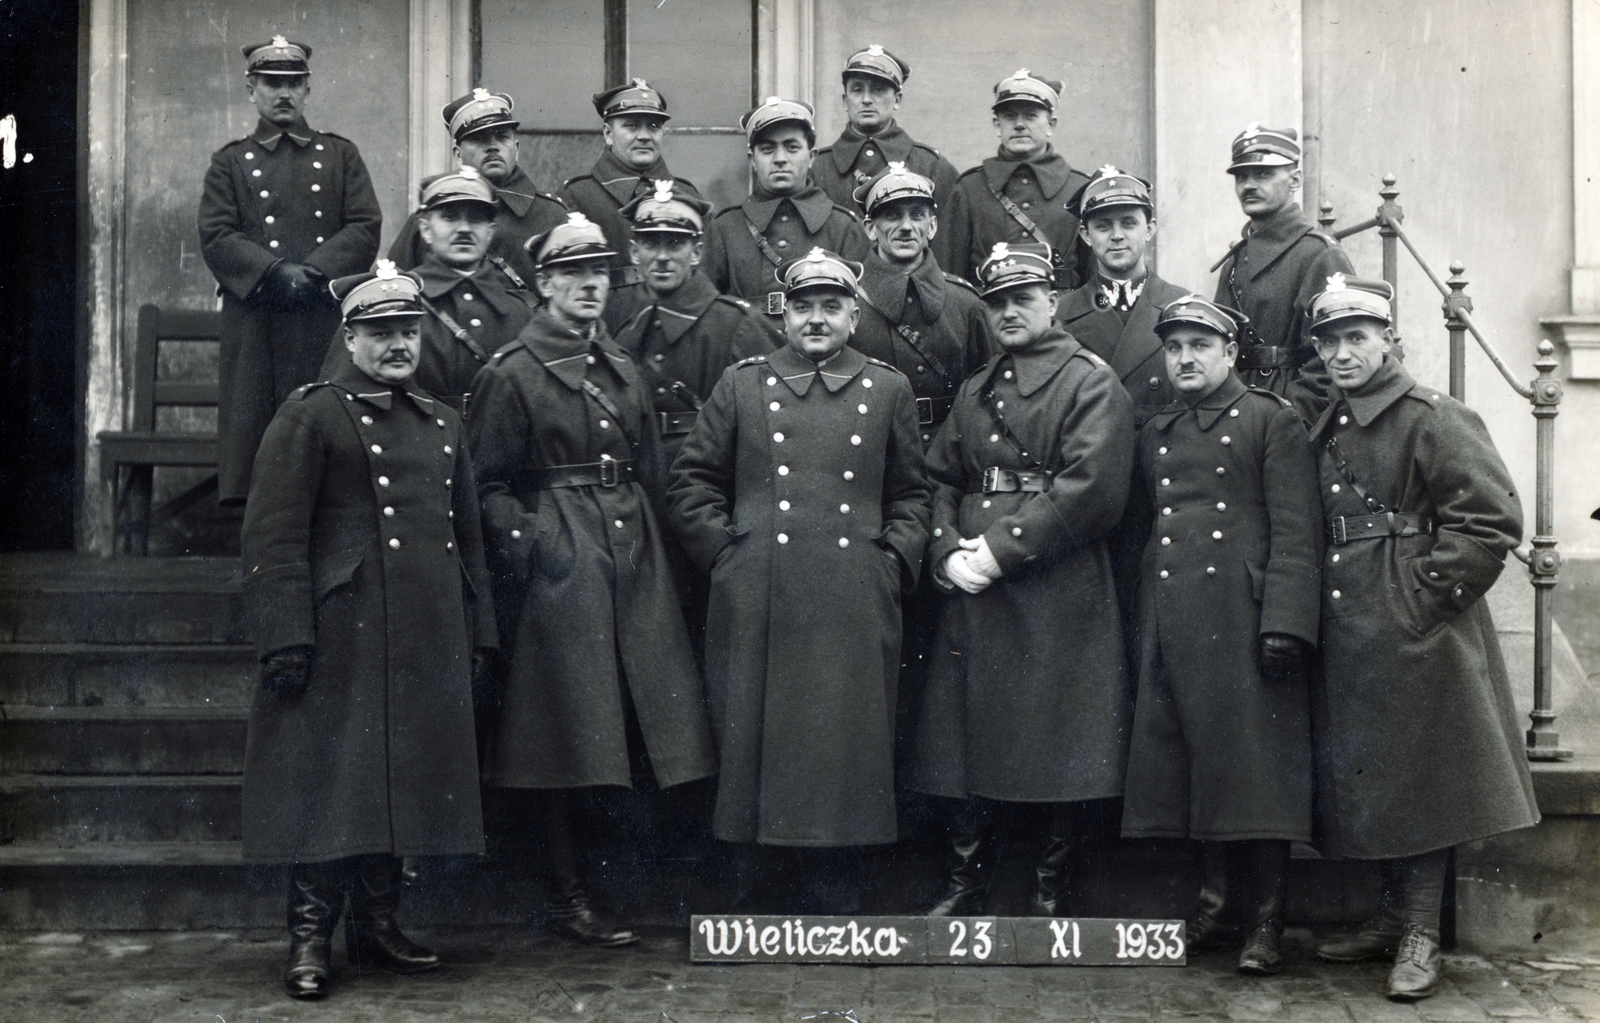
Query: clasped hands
{"points": [[972, 566]]}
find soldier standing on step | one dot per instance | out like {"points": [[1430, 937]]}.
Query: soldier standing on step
{"points": [[366, 593]]}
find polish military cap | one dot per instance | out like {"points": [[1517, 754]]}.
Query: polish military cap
{"points": [[1026, 87], [1265, 147], [1347, 297], [819, 268], [662, 212], [382, 293], [1110, 187], [478, 111], [465, 185], [878, 63], [634, 98], [1013, 266], [893, 184], [575, 239], [778, 111], [1198, 312], [278, 57]]}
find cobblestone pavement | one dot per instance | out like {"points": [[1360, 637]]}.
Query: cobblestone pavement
{"points": [[520, 977]]}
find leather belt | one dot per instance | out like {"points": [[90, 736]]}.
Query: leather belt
{"points": [[622, 276], [934, 410], [1343, 529], [1262, 357], [609, 472], [674, 423], [1006, 481]]}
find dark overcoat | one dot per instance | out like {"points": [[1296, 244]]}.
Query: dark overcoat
{"points": [[1218, 752], [1042, 188], [592, 618], [520, 212], [855, 159], [1417, 738], [1271, 275], [949, 334], [791, 227], [1028, 697], [801, 491], [298, 195], [361, 538]]}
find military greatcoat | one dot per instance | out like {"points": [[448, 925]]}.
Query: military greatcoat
{"points": [[974, 219], [801, 491], [297, 195], [1218, 752], [361, 538], [855, 159], [1028, 697], [520, 212], [590, 612], [1417, 738]]}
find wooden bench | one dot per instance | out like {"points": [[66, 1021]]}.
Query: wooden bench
{"points": [[143, 447]]}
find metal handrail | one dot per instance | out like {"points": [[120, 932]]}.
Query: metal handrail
{"points": [[1544, 392]]}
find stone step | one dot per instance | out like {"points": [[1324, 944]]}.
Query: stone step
{"points": [[126, 674], [64, 598], [112, 740], [73, 810]]}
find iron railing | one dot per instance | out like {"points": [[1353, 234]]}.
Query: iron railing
{"points": [[1543, 392]]}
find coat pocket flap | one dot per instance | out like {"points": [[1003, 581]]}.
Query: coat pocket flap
{"points": [[335, 571], [1258, 579]]}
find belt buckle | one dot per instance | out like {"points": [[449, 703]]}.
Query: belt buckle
{"points": [[608, 471], [775, 303], [1341, 536], [991, 479], [924, 411]]}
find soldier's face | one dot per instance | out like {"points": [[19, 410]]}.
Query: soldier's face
{"points": [[1263, 191], [781, 158], [1119, 237], [576, 291], [385, 350], [1353, 349], [667, 259], [492, 152], [458, 233], [870, 102], [902, 230], [1024, 129], [279, 99], [819, 322], [1019, 316], [635, 139], [1198, 360]]}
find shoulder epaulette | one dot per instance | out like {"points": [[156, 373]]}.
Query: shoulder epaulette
{"points": [[884, 365], [552, 197], [1328, 239], [823, 149], [970, 170], [738, 206], [736, 302], [847, 211], [753, 360], [1084, 351], [568, 183], [1280, 399], [959, 280], [333, 135], [299, 393], [923, 145], [1428, 394]]}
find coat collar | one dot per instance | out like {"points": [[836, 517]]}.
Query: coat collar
{"points": [[1388, 385], [518, 193], [1272, 239], [1037, 364], [379, 395], [812, 203], [798, 372], [267, 134], [439, 280], [893, 143], [1137, 340], [682, 309], [1207, 412], [564, 352], [890, 287], [623, 181], [1051, 169]]}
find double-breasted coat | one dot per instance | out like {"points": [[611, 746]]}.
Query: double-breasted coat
{"points": [[278, 194], [590, 615], [790, 227], [1028, 697], [801, 491], [1220, 753], [854, 159], [1042, 188], [361, 539], [520, 212], [1417, 738]]}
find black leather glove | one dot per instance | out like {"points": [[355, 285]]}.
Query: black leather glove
{"points": [[488, 682], [287, 672], [298, 283], [1283, 656]]}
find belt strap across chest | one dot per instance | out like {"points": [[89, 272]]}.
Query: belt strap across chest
{"points": [[1008, 481], [1058, 259], [1343, 529], [608, 472]]}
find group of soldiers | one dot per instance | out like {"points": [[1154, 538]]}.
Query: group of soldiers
{"points": [[607, 486]]}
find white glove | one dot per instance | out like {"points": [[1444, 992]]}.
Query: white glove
{"points": [[960, 572], [982, 558]]}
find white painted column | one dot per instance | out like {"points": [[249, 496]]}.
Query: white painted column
{"points": [[786, 49], [433, 56], [1579, 334]]}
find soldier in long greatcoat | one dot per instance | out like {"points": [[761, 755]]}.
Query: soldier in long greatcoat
{"points": [[283, 210], [1418, 746], [366, 593], [569, 464], [1027, 700], [1229, 603]]}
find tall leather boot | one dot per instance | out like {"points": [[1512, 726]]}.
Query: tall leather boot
{"points": [[1379, 936], [1208, 929], [1419, 964], [1266, 863], [314, 905], [371, 936], [1054, 869], [567, 905], [969, 863]]}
